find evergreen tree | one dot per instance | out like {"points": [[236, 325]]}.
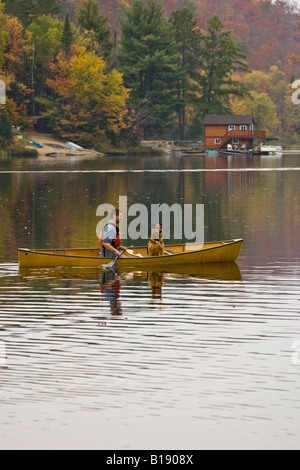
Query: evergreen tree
{"points": [[28, 10], [149, 59], [90, 19], [48, 7], [67, 36], [188, 38], [25, 10], [6, 136], [221, 59]]}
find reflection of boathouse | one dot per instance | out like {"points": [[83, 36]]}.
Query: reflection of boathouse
{"points": [[235, 130]]}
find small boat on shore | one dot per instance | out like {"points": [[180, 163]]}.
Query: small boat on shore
{"points": [[137, 258], [73, 146], [35, 144]]}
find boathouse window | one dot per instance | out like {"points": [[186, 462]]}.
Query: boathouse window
{"points": [[231, 127], [243, 128], [218, 140], [235, 141]]}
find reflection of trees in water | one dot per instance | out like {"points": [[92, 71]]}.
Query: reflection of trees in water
{"points": [[54, 210]]}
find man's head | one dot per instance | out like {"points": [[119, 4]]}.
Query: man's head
{"points": [[116, 215]]}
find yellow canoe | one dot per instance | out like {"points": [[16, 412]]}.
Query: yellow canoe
{"points": [[184, 254]]}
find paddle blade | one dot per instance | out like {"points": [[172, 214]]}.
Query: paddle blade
{"points": [[110, 266]]}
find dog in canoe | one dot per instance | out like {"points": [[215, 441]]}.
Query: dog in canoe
{"points": [[156, 246]]}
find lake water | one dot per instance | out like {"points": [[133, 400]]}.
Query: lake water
{"points": [[151, 360]]}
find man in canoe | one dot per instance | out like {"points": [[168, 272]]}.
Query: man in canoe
{"points": [[110, 239]]}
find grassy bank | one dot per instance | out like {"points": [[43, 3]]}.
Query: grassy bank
{"points": [[18, 149], [126, 151], [18, 152]]}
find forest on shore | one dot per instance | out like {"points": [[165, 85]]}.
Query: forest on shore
{"points": [[114, 72]]}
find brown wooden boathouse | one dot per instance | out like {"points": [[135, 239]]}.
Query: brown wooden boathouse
{"points": [[236, 130]]}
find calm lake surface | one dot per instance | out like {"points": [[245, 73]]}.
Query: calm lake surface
{"points": [[194, 360]]}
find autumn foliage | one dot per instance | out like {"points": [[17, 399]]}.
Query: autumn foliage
{"points": [[88, 97], [269, 30], [106, 70]]}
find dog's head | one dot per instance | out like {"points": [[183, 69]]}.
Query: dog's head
{"points": [[156, 232]]}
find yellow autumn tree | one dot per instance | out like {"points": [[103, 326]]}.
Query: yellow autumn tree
{"points": [[270, 101], [17, 55], [261, 107], [3, 34], [89, 101]]}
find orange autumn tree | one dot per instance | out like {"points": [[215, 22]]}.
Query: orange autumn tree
{"points": [[89, 101], [17, 61]]}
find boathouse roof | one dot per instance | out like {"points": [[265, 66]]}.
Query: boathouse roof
{"points": [[227, 119]]}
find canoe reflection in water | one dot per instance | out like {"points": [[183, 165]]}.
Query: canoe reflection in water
{"points": [[111, 282]]}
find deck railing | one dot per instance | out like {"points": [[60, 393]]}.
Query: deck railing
{"points": [[238, 134]]}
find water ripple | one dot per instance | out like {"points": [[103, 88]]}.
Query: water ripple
{"points": [[212, 349]]}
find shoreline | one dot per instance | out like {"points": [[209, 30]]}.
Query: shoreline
{"points": [[53, 146], [56, 147]]}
